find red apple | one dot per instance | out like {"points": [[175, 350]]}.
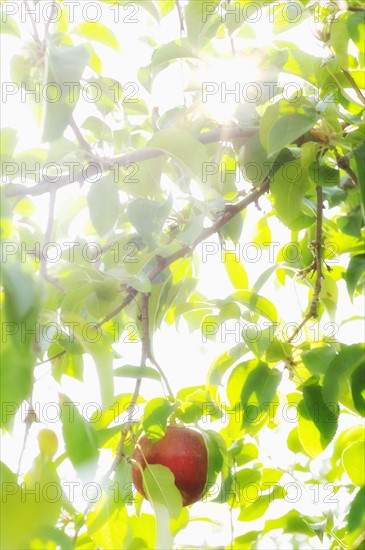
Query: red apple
{"points": [[183, 451]]}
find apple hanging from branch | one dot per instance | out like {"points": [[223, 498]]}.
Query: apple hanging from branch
{"points": [[184, 452]]}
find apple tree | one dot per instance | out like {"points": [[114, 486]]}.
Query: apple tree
{"points": [[175, 172]]}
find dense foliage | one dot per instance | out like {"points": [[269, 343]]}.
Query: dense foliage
{"points": [[106, 217]]}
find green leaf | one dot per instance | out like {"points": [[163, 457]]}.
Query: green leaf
{"points": [[149, 6], [66, 64], [287, 129], [16, 370], [155, 416], [286, 20], [317, 360], [166, 500], [329, 295], [103, 201], [354, 273], [324, 417], [148, 217], [215, 449], [219, 367], [173, 50], [318, 421], [288, 186], [107, 524], [356, 516], [270, 476], [358, 387], [39, 511], [299, 63], [340, 40], [98, 129], [21, 303], [257, 304], [130, 371], [260, 387], [292, 522], [199, 18], [255, 165], [97, 343], [251, 389], [344, 439], [264, 277], [80, 439], [352, 223], [183, 147], [277, 350], [248, 541], [355, 28], [258, 508], [258, 340], [245, 477], [117, 407], [235, 270], [21, 292], [8, 25], [353, 459], [99, 32], [233, 229], [349, 358], [8, 141], [248, 452], [322, 173]]}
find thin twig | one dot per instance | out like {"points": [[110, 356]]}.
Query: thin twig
{"points": [[221, 133], [29, 420], [354, 86], [80, 138], [59, 354], [313, 307], [33, 22], [344, 163], [46, 30], [47, 239], [181, 15]]}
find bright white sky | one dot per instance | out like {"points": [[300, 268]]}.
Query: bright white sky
{"points": [[184, 357]]}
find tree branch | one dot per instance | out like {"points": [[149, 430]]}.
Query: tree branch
{"points": [[145, 338], [316, 266], [222, 133], [229, 213]]}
